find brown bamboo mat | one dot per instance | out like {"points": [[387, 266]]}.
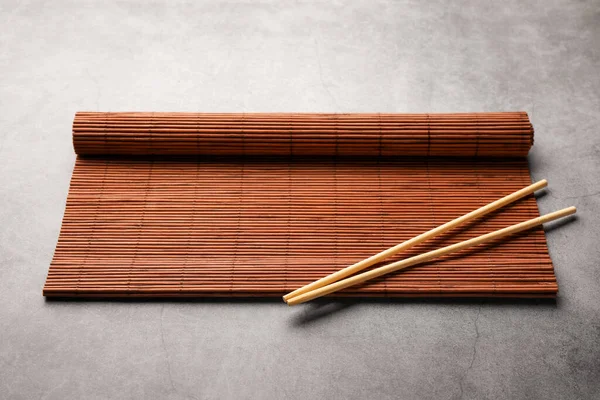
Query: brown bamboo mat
{"points": [[207, 205]]}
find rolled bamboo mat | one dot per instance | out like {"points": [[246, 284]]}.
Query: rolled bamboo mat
{"points": [[247, 205], [372, 135]]}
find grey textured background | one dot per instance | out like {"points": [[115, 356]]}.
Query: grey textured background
{"points": [[63, 56]]}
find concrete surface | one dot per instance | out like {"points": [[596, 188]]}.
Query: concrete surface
{"points": [[63, 56]]}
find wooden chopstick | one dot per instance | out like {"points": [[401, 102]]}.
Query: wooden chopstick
{"points": [[421, 258], [359, 266]]}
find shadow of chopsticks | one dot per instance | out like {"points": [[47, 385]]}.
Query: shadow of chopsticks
{"points": [[318, 310], [323, 308]]}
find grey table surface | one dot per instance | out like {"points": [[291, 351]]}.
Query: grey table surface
{"points": [[60, 57]]}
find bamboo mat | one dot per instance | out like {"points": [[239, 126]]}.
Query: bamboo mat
{"points": [[240, 205]]}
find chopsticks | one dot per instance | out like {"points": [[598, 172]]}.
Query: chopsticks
{"points": [[421, 258], [359, 266]]}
